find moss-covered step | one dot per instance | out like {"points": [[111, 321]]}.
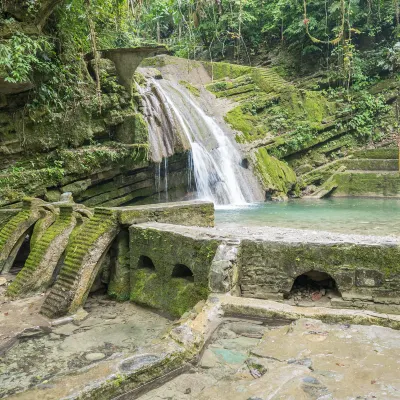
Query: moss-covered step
{"points": [[384, 153], [14, 231], [368, 184], [169, 270], [38, 271], [6, 215], [268, 104], [84, 255], [371, 164]]}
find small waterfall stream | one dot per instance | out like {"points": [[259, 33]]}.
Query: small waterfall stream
{"points": [[176, 120]]}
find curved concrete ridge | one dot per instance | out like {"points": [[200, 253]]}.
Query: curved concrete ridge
{"points": [[14, 231], [37, 273], [47, 218]]}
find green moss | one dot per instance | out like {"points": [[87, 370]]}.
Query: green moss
{"points": [[368, 184], [276, 176], [157, 288], [244, 123], [192, 89], [220, 70], [365, 164], [16, 183], [387, 153], [269, 105], [175, 296]]}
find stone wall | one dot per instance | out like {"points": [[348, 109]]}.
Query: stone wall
{"points": [[363, 273], [158, 255]]}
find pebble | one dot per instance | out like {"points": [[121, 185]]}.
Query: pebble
{"points": [[109, 316], [95, 356], [80, 316], [3, 281], [310, 379]]}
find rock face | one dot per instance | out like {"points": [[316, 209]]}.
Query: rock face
{"points": [[56, 156]]}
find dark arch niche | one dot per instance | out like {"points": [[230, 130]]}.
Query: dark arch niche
{"points": [[314, 285], [146, 263], [21, 251], [182, 271]]}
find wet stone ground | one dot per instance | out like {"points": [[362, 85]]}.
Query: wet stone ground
{"points": [[306, 359], [109, 329]]}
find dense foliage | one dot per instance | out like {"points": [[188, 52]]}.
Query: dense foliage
{"points": [[358, 36], [351, 44]]}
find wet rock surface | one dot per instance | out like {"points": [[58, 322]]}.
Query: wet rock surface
{"points": [[307, 359], [109, 330]]}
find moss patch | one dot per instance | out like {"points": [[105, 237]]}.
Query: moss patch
{"points": [[276, 176], [192, 89]]}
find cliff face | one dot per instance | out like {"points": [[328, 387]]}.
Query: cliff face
{"points": [[94, 145]]}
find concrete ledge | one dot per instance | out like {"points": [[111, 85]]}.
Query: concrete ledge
{"points": [[193, 213], [257, 308]]}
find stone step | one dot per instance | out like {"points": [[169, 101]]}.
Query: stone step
{"points": [[371, 164]]}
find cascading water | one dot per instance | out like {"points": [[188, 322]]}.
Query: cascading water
{"points": [[175, 118]]}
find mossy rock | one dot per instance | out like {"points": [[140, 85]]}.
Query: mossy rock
{"points": [[276, 176]]}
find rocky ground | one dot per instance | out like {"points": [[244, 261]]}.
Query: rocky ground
{"points": [[39, 351], [308, 359]]}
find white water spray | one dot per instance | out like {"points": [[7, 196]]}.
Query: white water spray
{"points": [[216, 161]]}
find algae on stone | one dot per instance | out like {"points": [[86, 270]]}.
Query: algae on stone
{"points": [[276, 176]]}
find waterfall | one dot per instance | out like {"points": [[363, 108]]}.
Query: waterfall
{"points": [[176, 120]]}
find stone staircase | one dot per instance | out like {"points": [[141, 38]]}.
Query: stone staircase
{"points": [[370, 173], [37, 273], [82, 262]]}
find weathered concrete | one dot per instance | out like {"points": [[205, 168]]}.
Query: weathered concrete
{"points": [[86, 250], [175, 274], [83, 259], [122, 373], [127, 60], [365, 268], [14, 231], [7, 214], [190, 213], [45, 254]]}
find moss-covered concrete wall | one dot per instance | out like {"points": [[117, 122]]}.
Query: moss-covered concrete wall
{"points": [[192, 213], [368, 183], [363, 273], [156, 287]]}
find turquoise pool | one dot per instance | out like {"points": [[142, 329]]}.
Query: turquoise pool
{"points": [[346, 215]]}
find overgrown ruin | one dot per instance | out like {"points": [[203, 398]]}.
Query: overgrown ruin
{"points": [[199, 200]]}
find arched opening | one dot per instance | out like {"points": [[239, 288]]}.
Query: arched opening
{"points": [[21, 252], [146, 263], [182, 271], [314, 286]]}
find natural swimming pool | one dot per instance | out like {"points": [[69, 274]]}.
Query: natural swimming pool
{"points": [[346, 215]]}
